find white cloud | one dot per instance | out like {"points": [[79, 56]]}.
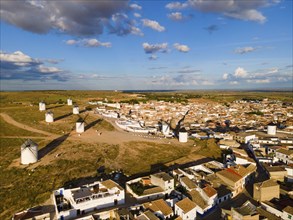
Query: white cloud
{"points": [[20, 66], [153, 57], [247, 15], [71, 42], [225, 76], [238, 9], [17, 58], [176, 5], [136, 31], [153, 25], [240, 73], [95, 43], [46, 69], [175, 16], [273, 70], [181, 47], [244, 50], [258, 81], [153, 48], [89, 43], [135, 7], [137, 15], [261, 76]]}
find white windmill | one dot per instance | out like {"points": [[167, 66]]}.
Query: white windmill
{"points": [[49, 117], [29, 152], [183, 136], [80, 124], [69, 101], [75, 110], [165, 128], [42, 106]]}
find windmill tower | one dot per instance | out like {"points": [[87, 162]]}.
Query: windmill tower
{"points": [[42, 106], [165, 128], [183, 136], [80, 124], [75, 110], [29, 152], [49, 117], [69, 101]]}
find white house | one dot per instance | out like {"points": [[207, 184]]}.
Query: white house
{"points": [[70, 203], [285, 155], [186, 209], [164, 180]]}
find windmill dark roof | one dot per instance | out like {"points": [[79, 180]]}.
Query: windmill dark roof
{"points": [[28, 143]]}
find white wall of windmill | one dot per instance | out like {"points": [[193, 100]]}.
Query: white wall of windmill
{"points": [[165, 128], [272, 129], [75, 110], [42, 106], [79, 127], [183, 137], [29, 154], [49, 117], [69, 101]]}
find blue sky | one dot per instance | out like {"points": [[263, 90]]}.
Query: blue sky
{"points": [[125, 45]]}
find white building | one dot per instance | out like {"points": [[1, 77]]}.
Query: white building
{"points": [[70, 203], [186, 209], [165, 129], [29, 152], [42, 106], [79, 126], [285, 155], [49, 117], [272, 129], [75, 110], [163, 180], [69, 101], [183, 136]]}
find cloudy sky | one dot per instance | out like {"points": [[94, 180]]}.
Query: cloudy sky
{"points": [[130, 45]]}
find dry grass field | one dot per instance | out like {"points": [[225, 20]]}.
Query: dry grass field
{"points": [[65, 156]]}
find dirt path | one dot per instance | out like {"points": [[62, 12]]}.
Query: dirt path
{"points": [[10, 120]]}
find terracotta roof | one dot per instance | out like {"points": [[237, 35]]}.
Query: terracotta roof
{"points": [[159, 205], [240, 170], [186, 205], [188, 182], [209, 191], [229, 174], [111, 184], [197, 198], [178, 218]]}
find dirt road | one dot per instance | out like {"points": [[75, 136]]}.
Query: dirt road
{"points": [[10, 120]]}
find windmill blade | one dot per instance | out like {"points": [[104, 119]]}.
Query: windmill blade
{"points": [[85, 117], [34, 153]]}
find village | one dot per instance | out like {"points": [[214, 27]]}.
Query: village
{"points": [[253, 181]]}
